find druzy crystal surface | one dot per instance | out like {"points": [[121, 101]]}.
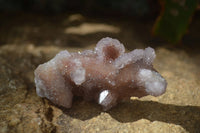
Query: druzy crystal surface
{"points": [[106, 75]]}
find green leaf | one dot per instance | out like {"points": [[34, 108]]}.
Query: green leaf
{"points": [[174, 19]]}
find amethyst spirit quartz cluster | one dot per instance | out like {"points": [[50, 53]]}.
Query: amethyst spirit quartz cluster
{"points": [[106, 75]]}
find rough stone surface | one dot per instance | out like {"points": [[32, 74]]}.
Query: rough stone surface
{"points": [[22, 111], [97, 77]]}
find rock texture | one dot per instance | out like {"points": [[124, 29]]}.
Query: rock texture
{"points": [[22, 111], [106, 75]]}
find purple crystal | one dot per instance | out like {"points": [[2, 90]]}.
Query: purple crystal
{"points": [[106, 75]]}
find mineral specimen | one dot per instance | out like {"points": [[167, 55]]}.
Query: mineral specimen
{"points": [[106, 75]]}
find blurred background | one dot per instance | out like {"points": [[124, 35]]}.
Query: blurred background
{"points": [[74, 23]]}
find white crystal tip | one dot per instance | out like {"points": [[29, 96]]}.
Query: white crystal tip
{"points": [[153, 82]]}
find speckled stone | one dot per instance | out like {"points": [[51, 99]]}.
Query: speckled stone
{"points": [[23, 111]]}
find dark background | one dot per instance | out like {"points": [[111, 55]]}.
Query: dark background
{"points": [[101, 7], [22, 21]]}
